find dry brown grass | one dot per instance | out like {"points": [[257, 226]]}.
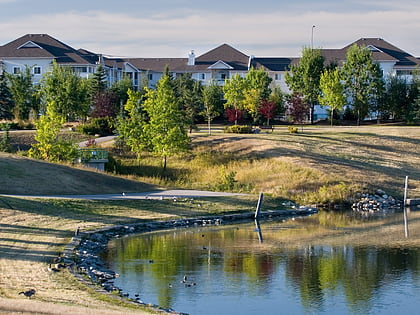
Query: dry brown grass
{"points": [[34, 231], [365, 157], [21, 175], [28, 242]]}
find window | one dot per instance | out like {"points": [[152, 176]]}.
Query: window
{"points": [[37, 70], [79, 69], [202, 76], [150, 77], [404, 72], [277, 77], [16, 70]]}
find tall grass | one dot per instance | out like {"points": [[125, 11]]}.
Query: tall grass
{"points": [[226, 171]]}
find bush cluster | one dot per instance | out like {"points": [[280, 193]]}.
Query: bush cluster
{"points": [[102, 126], [238, 129], [21, 125]]}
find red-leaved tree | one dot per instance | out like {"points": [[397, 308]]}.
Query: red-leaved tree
{"points": [[234, 115], [105, 105], [298, 109], [268, 110]]}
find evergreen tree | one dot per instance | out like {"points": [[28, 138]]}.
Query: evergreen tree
{"points": [[23, 93], [189, 94], [98, 81], [212, 101], [120, 90], [6, 101]]}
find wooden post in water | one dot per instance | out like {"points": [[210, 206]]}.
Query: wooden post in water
{"points": [[405, 208], [257, 211]]}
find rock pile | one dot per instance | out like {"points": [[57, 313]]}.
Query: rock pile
{"points": [[379, 201]]}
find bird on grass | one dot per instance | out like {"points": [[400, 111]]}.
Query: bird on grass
{"points": [[28, 293], [53, 269]]}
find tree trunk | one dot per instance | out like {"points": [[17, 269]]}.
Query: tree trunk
{"points": [[209, 125], [164, 165], [332, 116]]}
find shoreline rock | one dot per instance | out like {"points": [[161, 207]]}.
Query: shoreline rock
{"points": [[377, 202]]}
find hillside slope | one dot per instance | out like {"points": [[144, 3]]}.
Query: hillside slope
{"points": [[21, 175]]}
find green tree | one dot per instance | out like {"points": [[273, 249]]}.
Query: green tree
{"points": [[131, 125], [278, 97], [6, 101], [257, 88], [49, 147], [332, 91], [415, 92], [234, 89], [189, 93], [5, 145], [303, 78], [98, 81], [213, 103], [120, 90], [361, 79], [65, 93], [23, 93], [167, 125]]}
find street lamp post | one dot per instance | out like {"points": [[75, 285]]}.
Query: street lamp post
{"points": [[312, 37]]}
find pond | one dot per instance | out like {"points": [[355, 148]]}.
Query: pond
{"points": [[266, 268]]}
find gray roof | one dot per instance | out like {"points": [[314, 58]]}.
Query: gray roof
{"points": [[43, 46], [229, 55], [273, 63]]}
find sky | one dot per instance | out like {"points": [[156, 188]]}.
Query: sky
{"points": [[172, 28]]}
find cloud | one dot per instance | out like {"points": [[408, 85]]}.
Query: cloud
{"points": [[174, 34]]}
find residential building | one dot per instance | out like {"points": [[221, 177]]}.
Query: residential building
{"points": [[38, 51]]}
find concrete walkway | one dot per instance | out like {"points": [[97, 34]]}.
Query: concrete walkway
{"points": [[158, 194], [97, 140]]}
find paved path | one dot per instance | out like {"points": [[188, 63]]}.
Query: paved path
{"points": [[158, 194], [97, 140]]}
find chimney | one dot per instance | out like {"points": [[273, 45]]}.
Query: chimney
{"points": [[191, 58]]}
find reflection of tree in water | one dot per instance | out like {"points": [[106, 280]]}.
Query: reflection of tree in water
{"points": [[314, 272], [359, 271]]}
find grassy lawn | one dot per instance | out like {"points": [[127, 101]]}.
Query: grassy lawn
{"points": [[320, 163]]}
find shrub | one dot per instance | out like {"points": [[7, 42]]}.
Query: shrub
{"points": [[226, 180], [103, 126], [292, 129], [238, 129], [5, 145]]}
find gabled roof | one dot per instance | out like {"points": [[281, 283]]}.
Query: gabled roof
{"points": [[230, 57], [386, 51], [42, 46], [225, 53]]}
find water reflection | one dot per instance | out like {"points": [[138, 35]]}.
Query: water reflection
{"points": [[233, 270]]}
